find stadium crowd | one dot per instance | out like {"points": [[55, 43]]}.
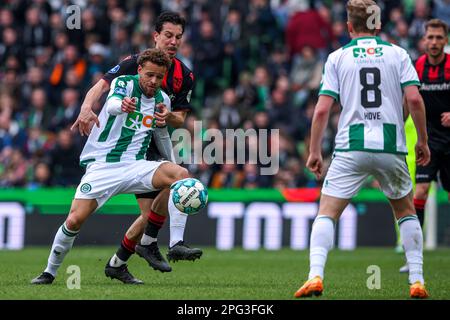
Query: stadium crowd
{"points": [[257, 64]]}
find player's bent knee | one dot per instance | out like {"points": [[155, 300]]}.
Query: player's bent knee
{"points": [[167, 174], [80, 210], [422, 191], [73, 221], [182, 173], [177, 173], [402, 207]]}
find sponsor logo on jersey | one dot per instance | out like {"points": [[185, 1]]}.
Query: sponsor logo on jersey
{"points": [[359, 52], [120, 91], [136, 119], [85, 188], [435, 87], [115, 69]]}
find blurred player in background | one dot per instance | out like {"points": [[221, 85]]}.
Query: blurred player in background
{"points": [[370, 139], [178, 83], [433, 69]]}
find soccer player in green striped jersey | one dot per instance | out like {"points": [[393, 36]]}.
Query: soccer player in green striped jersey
{"points": [[368, 77], [178, 83], [114, 154]]}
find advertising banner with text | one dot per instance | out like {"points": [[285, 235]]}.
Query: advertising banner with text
{"points": [[250, 219]]}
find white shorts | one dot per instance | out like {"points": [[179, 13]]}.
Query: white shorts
{"points": [[104, 180], [348, 170]]}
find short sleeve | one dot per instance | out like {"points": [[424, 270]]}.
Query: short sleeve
{"points": [[408, 74], [330, 82], [119, 88], [127, 66]]}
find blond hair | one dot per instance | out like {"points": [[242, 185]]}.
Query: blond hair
{"points": [[360, 12]]}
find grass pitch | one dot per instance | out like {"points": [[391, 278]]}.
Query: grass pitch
{"points": [[222, 275]]}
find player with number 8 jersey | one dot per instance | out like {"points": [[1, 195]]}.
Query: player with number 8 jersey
{"points": [[371, 119], [368, 77]]}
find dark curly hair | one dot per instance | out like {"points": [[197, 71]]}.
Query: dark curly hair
{"points": [[168, 16]]}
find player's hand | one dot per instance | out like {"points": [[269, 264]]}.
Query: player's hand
{"points": [[128, 105], [422, 154], [445, 119], [315, 164], [85, 122], [161, 114]]}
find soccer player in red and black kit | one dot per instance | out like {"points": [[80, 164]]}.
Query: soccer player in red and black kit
{"points": [[433, 69], [178, 84]]}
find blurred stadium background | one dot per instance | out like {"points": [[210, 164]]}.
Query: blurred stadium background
{"points": [[257, 64]]}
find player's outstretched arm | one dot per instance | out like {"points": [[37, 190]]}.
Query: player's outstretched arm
{"points": [[319, 124], [416, 108], [87, 117]]}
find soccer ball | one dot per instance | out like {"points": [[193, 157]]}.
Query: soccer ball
{"points": [[189, 195]]}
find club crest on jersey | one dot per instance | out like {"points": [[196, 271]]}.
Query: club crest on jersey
{"points": [[136, 119], [85, 188], [359, 52]]}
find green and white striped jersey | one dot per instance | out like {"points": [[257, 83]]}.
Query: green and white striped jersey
{"points": [[123, 136], [367, 76]]}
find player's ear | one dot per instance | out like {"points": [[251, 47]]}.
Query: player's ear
{"points": [[349, 27], [155, 36]]}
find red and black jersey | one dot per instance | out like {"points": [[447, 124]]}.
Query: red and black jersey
{"points": [[435, 91], [178, 81]]}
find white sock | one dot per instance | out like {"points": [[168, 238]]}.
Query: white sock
{"points": [[412, 239], [62, 243], [115, 261], [177, 222], [322, 238], [146, 240]]}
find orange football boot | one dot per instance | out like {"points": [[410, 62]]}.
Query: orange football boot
{"points": [[311, 287], [418, 291]]}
